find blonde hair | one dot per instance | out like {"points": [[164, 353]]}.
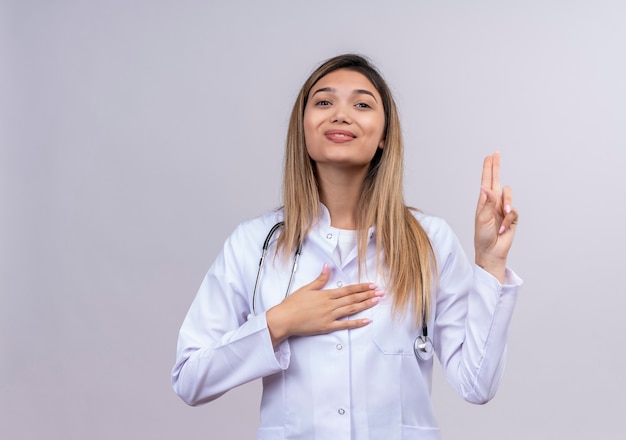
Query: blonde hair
{"points": [[407, 254]]}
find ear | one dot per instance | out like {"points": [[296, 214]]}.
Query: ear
{"points": [[381, 144]]}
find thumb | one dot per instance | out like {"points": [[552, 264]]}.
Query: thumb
{"points": [[322, 279]]}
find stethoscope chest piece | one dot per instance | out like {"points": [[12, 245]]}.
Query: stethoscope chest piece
{"points": [[423, 347]]}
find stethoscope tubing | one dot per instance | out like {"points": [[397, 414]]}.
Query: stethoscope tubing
{"points": [[266, 245], [422, 346]]}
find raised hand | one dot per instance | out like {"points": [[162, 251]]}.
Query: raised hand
{"points": [[496, 220], [313, 311]]}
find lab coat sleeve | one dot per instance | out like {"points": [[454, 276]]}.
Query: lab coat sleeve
{"points": [[220, 345], [473, 313]]}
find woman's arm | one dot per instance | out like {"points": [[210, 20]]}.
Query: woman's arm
{"points": [[475, 304], [220, 344]]}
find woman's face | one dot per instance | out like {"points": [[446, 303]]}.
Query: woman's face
{"points": [[344, 120]]}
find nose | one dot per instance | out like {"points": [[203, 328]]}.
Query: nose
{"points": [[340, 115]]}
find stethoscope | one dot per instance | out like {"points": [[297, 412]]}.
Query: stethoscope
{"points": [[266, 245], [422, 346]]}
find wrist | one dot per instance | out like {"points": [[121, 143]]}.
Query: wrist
{"points": [[493, 265], [276, 325]]}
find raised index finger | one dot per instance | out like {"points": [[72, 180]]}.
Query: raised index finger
{"points": [[491, 173], [495, 173], [485, 181]]}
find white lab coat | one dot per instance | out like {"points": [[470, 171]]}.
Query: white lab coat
{"points": [[353, 384]]}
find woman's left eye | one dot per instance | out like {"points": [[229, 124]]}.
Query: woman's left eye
{"points": [[362, 105]]}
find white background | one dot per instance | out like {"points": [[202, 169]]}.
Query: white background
{"points": [[135, 135]]}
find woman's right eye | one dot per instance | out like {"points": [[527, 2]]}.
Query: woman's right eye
{"points": [[322, 103]]}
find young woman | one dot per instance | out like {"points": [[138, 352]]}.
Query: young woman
{"points": [[357, 290]]}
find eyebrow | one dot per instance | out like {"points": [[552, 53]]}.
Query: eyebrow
{"points": [[355, 92]]}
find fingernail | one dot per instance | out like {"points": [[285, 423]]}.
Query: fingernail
{"points": [[366, 321], [376, 299], [379, 293], [502, 228], [507, 208], [372, 286], [325, 268]]}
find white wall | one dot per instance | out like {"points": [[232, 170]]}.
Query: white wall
{"points": [[135, 135]]}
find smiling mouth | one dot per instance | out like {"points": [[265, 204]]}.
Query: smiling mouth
{"points": [[339, 136]]}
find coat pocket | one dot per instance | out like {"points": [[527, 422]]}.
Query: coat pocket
{"points": [[393, 334], [419, 433]]}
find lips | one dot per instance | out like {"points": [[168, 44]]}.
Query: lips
{"points": [[339, 136]]}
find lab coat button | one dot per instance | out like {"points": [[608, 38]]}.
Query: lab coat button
{"points": [[341, 411], [339, 347], [339, 283], [329, 235]]}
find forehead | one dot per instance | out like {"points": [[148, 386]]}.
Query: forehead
{"points": [[345, 80]]}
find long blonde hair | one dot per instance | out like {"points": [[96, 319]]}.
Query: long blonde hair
{"points": [[407, 254]]}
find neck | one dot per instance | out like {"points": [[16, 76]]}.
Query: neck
{"points": [[340, 190]]}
